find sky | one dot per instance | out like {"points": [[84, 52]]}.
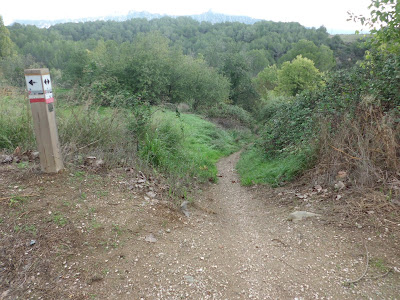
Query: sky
{"points": [[311, 13]]}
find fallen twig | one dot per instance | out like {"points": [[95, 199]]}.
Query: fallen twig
{"points": [[341, 151], [365, 271], [289, 265], [380, 276]]}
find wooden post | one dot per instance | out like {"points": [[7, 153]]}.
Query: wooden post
{"points": [[44, 119]]}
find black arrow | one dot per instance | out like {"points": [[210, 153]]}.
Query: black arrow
{"points": [[32, 82]]}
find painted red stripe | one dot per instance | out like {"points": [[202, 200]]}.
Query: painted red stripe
{"points": [[50, 100]]}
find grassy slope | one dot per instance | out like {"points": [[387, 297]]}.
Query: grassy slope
{"points": [[188, 145], [183, 148], [253, 168]]}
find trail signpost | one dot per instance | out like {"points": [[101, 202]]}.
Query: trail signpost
{"points": [[38, 83]]}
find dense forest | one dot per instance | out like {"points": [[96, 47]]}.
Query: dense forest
{"points": [[170, 54], [309, 96]]}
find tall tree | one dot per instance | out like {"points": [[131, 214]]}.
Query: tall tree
{"points": [[297, 76], [7, 47], [322, 56]]}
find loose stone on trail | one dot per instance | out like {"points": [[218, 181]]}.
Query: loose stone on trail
{"points": [[300, 215]]}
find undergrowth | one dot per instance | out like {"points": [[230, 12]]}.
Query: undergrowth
{"points": [[184, 147], [255, 168]]}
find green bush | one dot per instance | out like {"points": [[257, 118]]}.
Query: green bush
{"points": [[231, 112]]}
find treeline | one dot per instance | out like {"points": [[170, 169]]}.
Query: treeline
{"points": [[261, 44], [170, 60]]}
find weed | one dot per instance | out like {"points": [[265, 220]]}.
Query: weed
{"points": [[95, 224], [379, 264], [16, 200], [59, 219], [30, 229], [117, 229], [23, 165], [102, 193]]}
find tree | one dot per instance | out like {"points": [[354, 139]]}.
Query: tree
{"points": [[7, 47], [243, 92], [383, 23], [266, 80], [322, 56], [297, 76]]}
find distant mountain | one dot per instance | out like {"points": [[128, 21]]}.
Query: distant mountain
{"points": [[204, 17]]}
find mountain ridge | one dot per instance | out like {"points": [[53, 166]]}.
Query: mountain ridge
{"points": [[208, 16]]}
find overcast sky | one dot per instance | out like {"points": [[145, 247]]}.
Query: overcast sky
{"points": [[311, 13]]}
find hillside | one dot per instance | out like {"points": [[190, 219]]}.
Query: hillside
{"points": [[208, 16]]}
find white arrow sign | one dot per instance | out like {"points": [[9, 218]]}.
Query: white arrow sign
{"points": [[34, 83]]}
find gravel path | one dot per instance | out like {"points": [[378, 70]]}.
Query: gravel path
{"points": [[239, 245]]}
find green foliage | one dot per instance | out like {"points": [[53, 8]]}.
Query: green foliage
{"points": [[185, 147], [243, 92], [7, 47], [289, 125], [255, 168], [322, 56], [297, 76], [383, 22], [195, 83], [266, 81], [235, 114]]}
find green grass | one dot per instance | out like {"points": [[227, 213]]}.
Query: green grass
{"points": [[187, 146], [15, 123], [184, 147], [253, 168]]}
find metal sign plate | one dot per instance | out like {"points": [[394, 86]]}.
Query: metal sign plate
{"points": [[34, 83], [46, 83]]}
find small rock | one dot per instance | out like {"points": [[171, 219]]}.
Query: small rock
{"points": [[300, 215], [339, 185], [189, 278], [90, 160], [184, 208], [4, 294], [6, 159], [318, 188], [151, 194], [168, 230], [99, 163], [338, 197], [34, 155], [32, 242], [150, 238]]}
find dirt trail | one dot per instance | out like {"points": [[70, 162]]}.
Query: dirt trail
{"points": [[239, 245], [122, 241]]}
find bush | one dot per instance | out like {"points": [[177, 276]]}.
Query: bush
{"points": [[290, 125], [232, 113]]}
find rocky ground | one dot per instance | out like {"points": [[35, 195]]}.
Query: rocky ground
{"points": [[116, 235]]}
